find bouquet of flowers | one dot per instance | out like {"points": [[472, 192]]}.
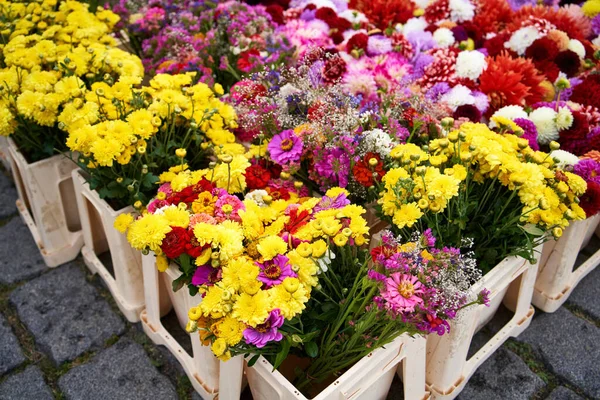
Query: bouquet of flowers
{"points": [[136, 134], [49, 67], [311, 128], [223, 40], [312, 292], [474, 179]]}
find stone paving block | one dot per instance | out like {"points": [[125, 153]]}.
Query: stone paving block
{"points": [[11, 355], [570, 346], [562, 393], [8, 197], [28, 384], [587, 294], [503, 376], [20, 258], [65, 314], [122, 371]]}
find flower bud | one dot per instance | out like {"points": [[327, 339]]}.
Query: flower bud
{"points": [[554, 145], [267, 199], [181, 153], [119, 180], [557, 232], [131, 188], [137, 204], [226, 158], [284, 175], [373, 161]]}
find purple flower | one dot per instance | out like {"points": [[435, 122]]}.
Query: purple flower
{"points": [[266, 332], [335, 166], [437, 91], [588, 169], [274, 271], [328, 203], [378, 44], [596, 24], [427, 238], [484, 297], [285, 147], [529, 132], [206, 275], [376, 276]]}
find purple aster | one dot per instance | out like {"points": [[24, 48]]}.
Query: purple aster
{"points": [[588, 169], [596, 24], [529, 132], [437, 91], [395, 129], [285, 147], [274, 271], [378, 44], [206, 275], [484, 297], [328, 203], [266, 332]]}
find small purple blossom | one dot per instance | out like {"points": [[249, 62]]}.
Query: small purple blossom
{"points": [[206, 275], [328, 203], [265, 332], [529, 132], [379, 44], [588, 169], [484, 297]]}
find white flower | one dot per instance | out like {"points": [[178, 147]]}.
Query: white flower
{"points": [[510, 112], [414, 25], [564, 158], [377, 141], [325, 261], [457, 96], [470, 64], [257, 196], [461, 10], [544, 119], [576, 47], [564, 118], [596, 42], [355, 17], [522, 39], [444, 37]]}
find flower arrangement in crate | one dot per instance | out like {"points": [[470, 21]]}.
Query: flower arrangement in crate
{"points": [[293, 277], [222, 40], [137, 134], [49, 67], [474, 179]]}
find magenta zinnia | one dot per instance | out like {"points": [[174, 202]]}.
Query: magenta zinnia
{"points": [[285, 148], [401, 292]]}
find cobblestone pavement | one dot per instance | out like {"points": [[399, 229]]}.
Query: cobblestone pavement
{"points": [[62, 336]]}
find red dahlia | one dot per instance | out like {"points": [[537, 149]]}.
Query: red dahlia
{"points": [[257, 177]]}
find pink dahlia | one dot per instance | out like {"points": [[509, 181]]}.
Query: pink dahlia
{"points": [[285, 148], [401, 292]]}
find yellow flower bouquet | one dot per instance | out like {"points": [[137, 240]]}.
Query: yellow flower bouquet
{"points": [[53, 56], [137, 134], [483, 187]]}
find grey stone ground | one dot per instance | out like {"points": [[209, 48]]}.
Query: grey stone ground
{"points": [[62, 336]]}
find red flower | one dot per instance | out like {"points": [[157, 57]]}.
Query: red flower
{"points": [[590, 201], [542, 49], [257, 177], [190, 193], [468, 111], [333, 69], [245, 62], [194, 249], [495, 45], [511, 81], [384, 13], [297, 220], [357, 42], [175, 242], [437, 11], [548, 68], [587, 91], [326, 14], [317, 111], [278, 193], [559, 17], [365, 173], [578, 130], [491, 16], [276, 13], [568, 62], [247, 90]]}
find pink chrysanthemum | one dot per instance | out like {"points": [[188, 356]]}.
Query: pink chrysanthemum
{"points": [[401, 292], [227, 207]]}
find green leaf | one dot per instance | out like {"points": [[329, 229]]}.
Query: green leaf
{"points": [[311, 348], [533, 230], [193, 289], [253, 360], [178, 283], [186, 264], [283, 353]]}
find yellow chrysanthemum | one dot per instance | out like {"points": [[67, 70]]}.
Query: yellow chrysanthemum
{"points": [[148, 232], [252, 310], [271, 246], [122, 222]]}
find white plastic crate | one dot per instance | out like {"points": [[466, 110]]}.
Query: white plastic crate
{"points": [[448, 369], [47, 204], [99, 236], [556, 278], [211, 378], [369, 379]]}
